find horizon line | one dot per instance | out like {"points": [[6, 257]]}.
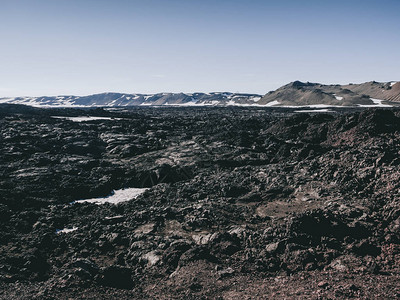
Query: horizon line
{"points": [[181, 92]]}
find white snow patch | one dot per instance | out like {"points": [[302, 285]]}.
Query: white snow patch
{"points": [[84, 119], [256, 99], [114, 217], [377, 103], [313, 111], [393, 83], [319, 106], [312, 106], [227, 95], [272, 103], [338, 97], [116, 197], [66, 230], [152, 258], [233, 103], [191, 103]]}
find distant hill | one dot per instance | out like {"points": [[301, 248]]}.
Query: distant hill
{"points": [[297, 93], [305, 94]]}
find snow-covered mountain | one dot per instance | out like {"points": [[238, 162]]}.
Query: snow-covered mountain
{"points": [[118, 99], [294, 94]]}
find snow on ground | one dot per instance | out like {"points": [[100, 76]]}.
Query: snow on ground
{"points": [[5, 100], [114, 217], [233, 103], [23, 100], [313, 111], [227, 95], [66, 230], [147, 97], [215, 102], [272, 103], [377, 103], [63, 101], [338, 97], [84, 119], [321, 106], [191, 103], [113, 102], [116, 197], [393, 83], [152, 257]]}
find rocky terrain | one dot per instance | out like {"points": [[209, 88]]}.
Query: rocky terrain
{"points": [[231, 203], [370, 94]]}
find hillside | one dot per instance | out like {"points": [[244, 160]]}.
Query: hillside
{"points": [[303, 94]]}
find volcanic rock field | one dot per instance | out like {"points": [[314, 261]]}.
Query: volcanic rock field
{"points": [[209, 203]]}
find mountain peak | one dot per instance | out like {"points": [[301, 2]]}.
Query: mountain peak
{"points": [[299, 84]]}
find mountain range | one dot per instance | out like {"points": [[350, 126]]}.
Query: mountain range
{"points": [[297, 93]]}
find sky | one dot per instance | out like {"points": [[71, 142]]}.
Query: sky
{"points": [[81, 47]]}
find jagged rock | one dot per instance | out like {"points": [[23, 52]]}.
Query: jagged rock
{"points": [[225, 272], [273, 247], [265, 193]]}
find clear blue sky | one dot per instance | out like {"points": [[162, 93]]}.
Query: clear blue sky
{"points": [[52, 47]]}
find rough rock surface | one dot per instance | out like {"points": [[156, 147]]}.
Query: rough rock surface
{"points": [[241, 203]]}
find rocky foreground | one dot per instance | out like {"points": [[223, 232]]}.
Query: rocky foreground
{"points": [[240, 204]]}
